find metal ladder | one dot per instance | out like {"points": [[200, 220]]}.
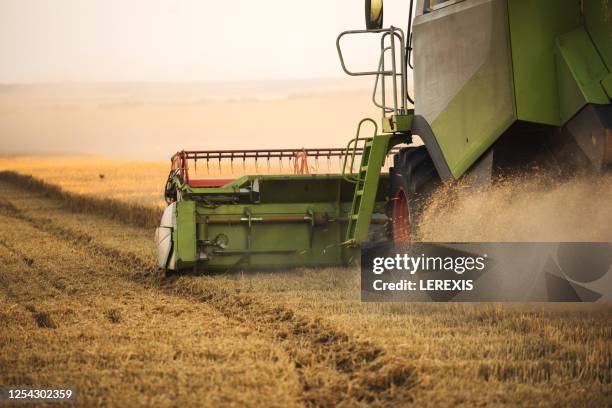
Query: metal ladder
{"points": [[366, 181], [396, 123]]}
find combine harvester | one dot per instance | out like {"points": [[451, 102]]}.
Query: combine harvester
{"points": [[498, 85]]}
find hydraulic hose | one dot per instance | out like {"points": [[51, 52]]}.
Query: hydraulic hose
{"points": [[408, 52]]}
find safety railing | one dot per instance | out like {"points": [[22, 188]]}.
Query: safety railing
{"points": [[392, 43]]}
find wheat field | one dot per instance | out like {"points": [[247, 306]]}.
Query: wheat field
{"points": [[82, 305]]}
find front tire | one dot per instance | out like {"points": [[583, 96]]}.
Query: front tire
{"points": [[413, 178]]}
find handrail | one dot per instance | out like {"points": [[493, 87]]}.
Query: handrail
{"points": [[350, 177], [339, 49], [374, 101], [395, 34]]}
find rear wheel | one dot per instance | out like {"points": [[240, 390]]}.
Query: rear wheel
{"points": [[413, 178], [401, 217]]}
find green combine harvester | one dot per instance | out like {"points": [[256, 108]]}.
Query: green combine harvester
{"points": [[499, 85]]}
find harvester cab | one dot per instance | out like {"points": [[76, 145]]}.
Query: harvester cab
{"points": [[498, 85]]}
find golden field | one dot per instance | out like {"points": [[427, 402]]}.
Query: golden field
{"points": [[133, 181], [83, 306]]}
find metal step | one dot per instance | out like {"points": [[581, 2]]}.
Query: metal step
{"points": [[364, 198]]}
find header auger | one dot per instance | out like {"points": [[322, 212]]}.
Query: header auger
{"points": [[498, 85]]}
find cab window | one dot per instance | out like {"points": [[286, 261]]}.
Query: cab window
{"points": [[433, 5]]}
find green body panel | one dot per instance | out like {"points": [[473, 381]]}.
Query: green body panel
{"points": [[561, 53], [534, 27], [580, 72], [470, 122], [185, 233], [598, 22], [571, 98], [463, 78], [398, 123], [607, 85], [274, 244]]}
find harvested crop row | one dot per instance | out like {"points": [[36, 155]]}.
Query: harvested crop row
{"points": [[70, 320], [134, 214]]}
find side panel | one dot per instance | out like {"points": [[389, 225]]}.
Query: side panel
{"points": [[598, 22], [287, 221], [580, 72], [186, 232], [271, 244], [534, 27], [463, 78]]}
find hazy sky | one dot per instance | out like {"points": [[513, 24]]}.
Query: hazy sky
{"points": [[188, 40]]}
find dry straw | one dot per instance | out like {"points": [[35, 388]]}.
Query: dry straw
{"points": [[133, 214]]}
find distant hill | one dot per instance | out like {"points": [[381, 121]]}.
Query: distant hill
{"points": [[154, 92], [153, 120]]}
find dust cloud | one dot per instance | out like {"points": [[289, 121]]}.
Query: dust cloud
{"points": [[521, 209]]}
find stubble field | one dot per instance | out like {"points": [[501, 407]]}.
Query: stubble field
{"points": [[82, 305]]}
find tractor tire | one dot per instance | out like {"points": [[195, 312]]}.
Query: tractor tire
{"points": [[413, 178]]}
